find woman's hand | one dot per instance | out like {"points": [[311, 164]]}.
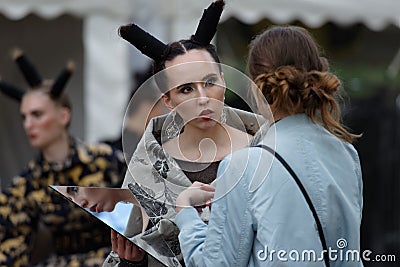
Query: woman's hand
{"points": [[125, 248], [197, 195]]}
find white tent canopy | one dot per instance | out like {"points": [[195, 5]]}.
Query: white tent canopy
{"points": [[171, 20], [374, 14]]}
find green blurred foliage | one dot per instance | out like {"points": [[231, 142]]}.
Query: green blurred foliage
{"points": [[358, 56]]}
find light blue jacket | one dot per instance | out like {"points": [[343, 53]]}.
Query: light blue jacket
{"points": [[259, 216]]}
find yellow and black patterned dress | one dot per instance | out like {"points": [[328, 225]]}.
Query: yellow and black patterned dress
{"points": [[77, 239]]}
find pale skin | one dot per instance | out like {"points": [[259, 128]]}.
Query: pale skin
{"points": [[197, 195], [97, 199], [45, 123], [200, 105], [197, 95]]}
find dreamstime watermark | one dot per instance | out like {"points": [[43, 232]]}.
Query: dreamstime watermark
{"points": [[338, 254]]}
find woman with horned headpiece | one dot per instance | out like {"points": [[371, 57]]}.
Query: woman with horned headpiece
{"points": [[27, 203], [183, 146]]}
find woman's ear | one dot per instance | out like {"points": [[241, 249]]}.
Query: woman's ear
{"points": [[167, 101], [65, 116], [223, 80]]}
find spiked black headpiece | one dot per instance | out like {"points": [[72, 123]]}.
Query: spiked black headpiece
{"points": [[34, 79], [154, 48]]}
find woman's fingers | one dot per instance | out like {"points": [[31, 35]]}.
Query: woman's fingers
{"points": [[128, 250], [125, 248], [133, 252], [201, 198], [208, 188], [114, 241], [121, 247], [202, 186], [197, 195]]}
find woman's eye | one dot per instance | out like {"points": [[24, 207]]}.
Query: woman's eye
{"points": [[37, 114], [209, 82], [72, 190], [186, 89]]}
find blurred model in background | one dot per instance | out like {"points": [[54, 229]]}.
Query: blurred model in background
{"points": [[36, 225]]}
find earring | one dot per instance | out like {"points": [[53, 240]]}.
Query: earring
{"points": [[172, 129], [223, 116]]}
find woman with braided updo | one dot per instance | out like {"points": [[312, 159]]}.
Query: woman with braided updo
{"points": [[295, 79], [295, 198]]}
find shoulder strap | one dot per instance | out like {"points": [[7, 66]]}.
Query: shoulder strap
{"points": [[307, 198]]}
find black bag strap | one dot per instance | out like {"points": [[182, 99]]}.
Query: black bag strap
{"points": [[307, 198]]}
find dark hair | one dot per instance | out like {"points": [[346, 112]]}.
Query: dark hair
{"points": [[178, 48], [285, 63], [182, 47], [34, 79]]}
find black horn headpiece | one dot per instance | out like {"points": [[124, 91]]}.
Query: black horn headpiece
{"points": [[34, 79], [154, 48]]}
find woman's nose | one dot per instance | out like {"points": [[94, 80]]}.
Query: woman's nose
{"points": [[27, 123], [83, 203], [202, 97]]}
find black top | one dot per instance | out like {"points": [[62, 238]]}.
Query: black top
{"points": [[202, 172]]}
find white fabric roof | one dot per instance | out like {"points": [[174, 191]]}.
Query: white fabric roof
{"points": [[374, 14], [17, 9], [174, 19]]}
